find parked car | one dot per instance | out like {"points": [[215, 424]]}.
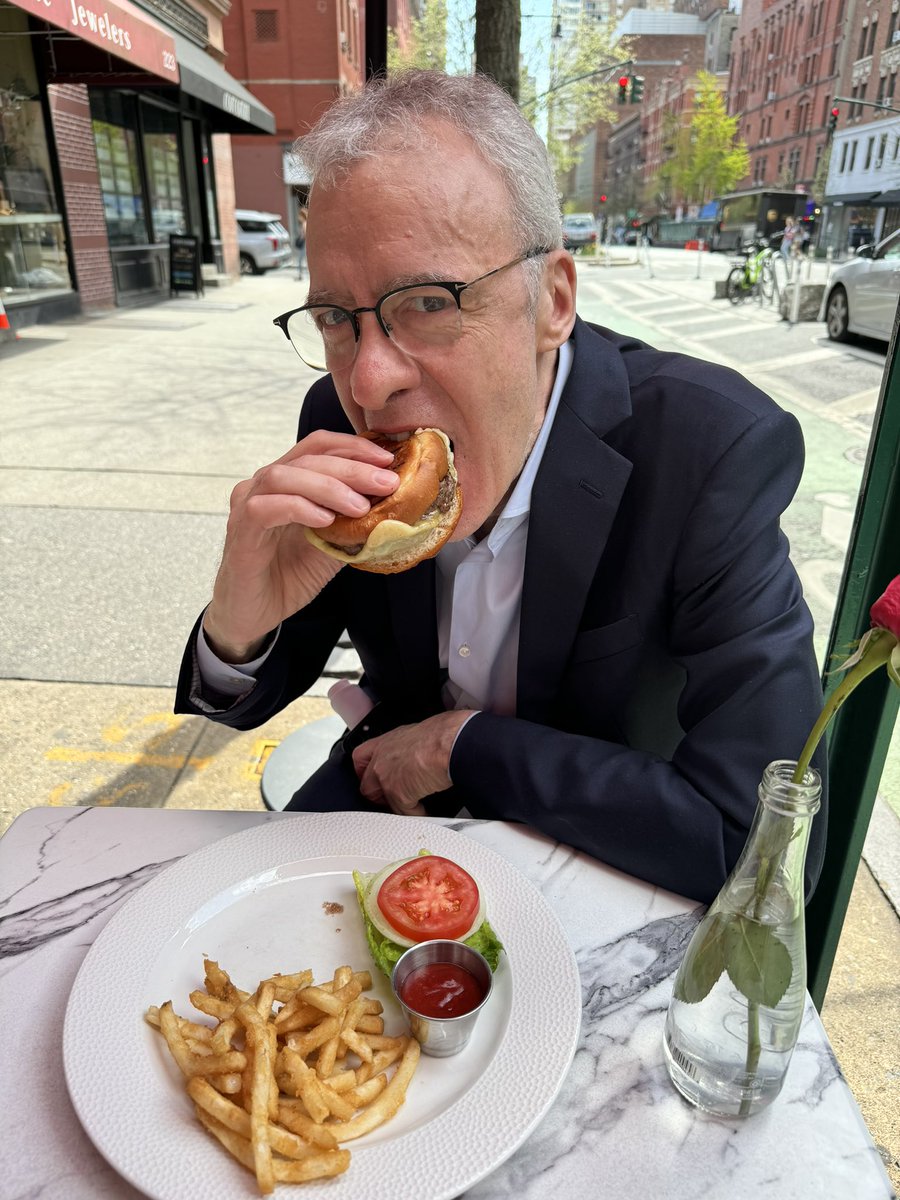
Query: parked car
{"points": [[863, 292], [263, 241], [579, 230]]}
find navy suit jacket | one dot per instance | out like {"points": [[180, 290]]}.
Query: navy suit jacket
{"points": [[665, 650]]}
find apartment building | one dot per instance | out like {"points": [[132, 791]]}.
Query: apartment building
{"points": [[862, 192], [295, 58]]}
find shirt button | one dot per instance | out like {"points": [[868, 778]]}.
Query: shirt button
{"points": [[464, 651]]}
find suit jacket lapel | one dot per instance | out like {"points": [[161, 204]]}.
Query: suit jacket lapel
{"points": [[574, 502]]}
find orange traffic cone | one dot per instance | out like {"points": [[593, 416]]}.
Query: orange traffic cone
{"points": [[6, 332]]}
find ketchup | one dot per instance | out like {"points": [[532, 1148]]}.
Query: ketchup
{"points": [[441, 990]]}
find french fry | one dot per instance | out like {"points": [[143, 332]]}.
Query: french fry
{"points": [[358, 1044], [293, 1116], [334, 1002], [305, 1043], [237, 1119], [262, 1068], [386, 1105], [219, 985], [318, 1166], [211, 1005], [265, 1079]]}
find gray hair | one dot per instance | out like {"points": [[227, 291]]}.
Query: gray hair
{"points": [[390, 113]]}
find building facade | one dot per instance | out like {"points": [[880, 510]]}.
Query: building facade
{"points": [[295, 59], [666, 46], [114, 124], [786, 64], [862, 192]]}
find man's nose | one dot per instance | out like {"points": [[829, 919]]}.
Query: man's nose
{"points": [[380, 368]]}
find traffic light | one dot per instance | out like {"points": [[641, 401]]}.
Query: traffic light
{"points": [[623, 90], [832, 121], [637, 89], [603, 199]]}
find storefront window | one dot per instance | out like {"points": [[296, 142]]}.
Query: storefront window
{"points": [[114, 118], [163, 163], [33, 259]]}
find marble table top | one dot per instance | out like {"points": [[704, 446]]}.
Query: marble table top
{"points": [[617, 1128]]}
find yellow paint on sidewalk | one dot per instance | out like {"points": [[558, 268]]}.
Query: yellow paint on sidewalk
{"points": [[172, 762], [259, 757], [108, 799], [57, 795]]}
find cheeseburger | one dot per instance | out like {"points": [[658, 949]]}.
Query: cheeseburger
{"points": [[412, 523]]}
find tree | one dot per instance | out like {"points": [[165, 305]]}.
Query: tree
{"points": [[427, 45], [706, 157], [584, 67], [498, 31]]}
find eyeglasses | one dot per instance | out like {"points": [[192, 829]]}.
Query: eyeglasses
{"points": [[416, 318]]}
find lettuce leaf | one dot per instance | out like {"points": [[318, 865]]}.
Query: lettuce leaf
{"points": [[385, 952]]}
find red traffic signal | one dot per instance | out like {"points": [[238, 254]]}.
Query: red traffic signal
{"points": [[623, 89], [602, 199], [833, 120]]}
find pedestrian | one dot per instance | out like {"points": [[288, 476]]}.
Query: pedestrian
{"points": [[614, 643], [300, 242], [787, 238]]}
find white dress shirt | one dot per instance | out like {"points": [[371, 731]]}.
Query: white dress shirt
{"points": [[479, 595]]}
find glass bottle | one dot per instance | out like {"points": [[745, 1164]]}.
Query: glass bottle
{"points": [[740, 991]]}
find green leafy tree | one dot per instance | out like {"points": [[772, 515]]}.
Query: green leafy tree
{"points": [[705, 157], [584, 68], [427, 45]]}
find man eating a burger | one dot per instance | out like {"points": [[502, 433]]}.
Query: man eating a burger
{"points": [[608, 641]]}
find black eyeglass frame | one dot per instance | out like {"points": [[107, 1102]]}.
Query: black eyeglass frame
{"points": [[454, 287]]}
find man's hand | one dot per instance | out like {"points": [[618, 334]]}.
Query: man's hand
{"points": [[269, 570], [405, 765]]}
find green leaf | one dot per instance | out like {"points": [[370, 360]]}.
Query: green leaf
{"points": [[893, 667], [776, 834], [757, 961], [704, 961]]}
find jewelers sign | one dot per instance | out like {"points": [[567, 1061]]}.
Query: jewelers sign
{"points": [[113, 25]]}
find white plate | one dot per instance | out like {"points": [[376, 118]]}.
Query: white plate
{"points": [[256, 903]]}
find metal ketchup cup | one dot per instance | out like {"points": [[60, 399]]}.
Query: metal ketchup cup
{"points": [[442, 1036]]}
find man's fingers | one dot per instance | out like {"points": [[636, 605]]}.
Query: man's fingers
{"points": [[343, 445], [408, 808]]}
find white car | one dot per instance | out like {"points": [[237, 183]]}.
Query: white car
{"points": [[263, 241], [862, 293]]}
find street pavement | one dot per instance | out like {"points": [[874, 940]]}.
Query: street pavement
{"points": [[123, 435]]}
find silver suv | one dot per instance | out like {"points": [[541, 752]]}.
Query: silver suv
{"points": [[263, 241], [579, 231]]}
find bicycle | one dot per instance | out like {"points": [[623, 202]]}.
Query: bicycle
{"points": [[760, 274]]}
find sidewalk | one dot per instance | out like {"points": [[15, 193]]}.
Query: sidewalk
{"points": [[123, 436]]}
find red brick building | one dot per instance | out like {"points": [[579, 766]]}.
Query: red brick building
{"points": [[664, 46], [113, 138], [295, 58], [786, 63]]}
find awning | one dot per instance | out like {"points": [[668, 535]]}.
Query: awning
{"points": [[231, 108], [114, 26], [887, 199], [851, 198]]}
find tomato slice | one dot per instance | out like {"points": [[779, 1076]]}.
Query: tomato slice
{"points": [[429, 897]]}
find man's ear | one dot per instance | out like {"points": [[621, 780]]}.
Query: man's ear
{"points": [[556, 301]]}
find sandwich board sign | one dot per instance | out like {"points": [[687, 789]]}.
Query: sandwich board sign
{"points": [[184, 263]]}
